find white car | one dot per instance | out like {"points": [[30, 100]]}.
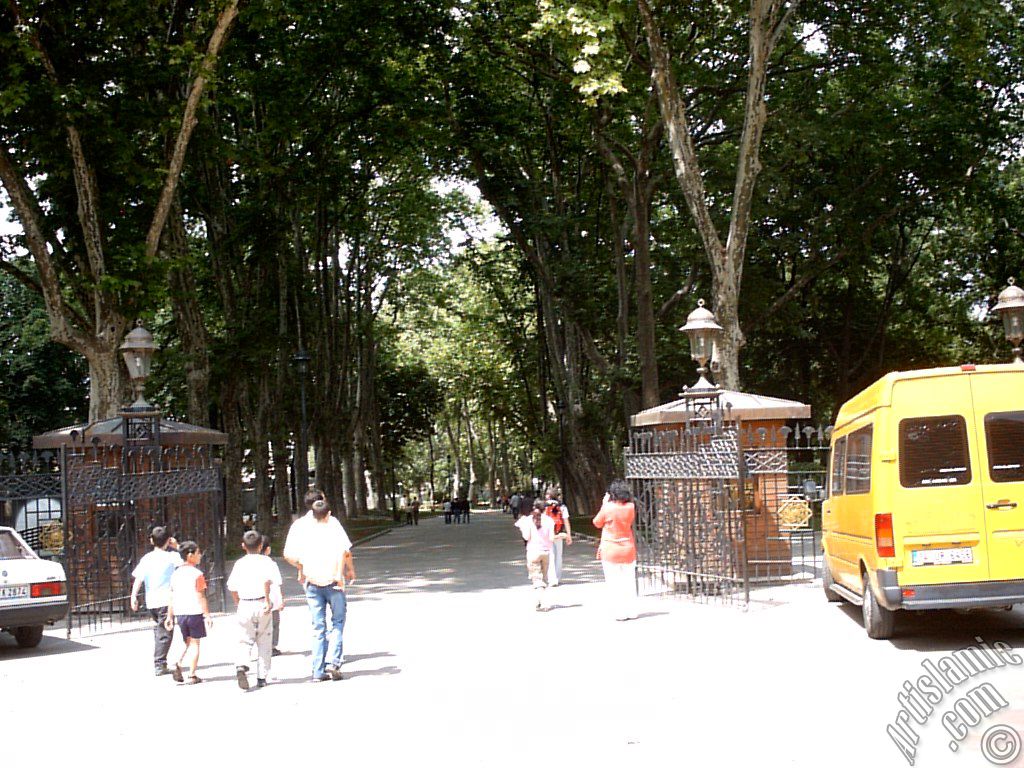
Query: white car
{"points": [[33, 591]]}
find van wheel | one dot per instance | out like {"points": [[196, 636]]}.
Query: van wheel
{"points": [[28, 637], [878, 621], [827, 581]]}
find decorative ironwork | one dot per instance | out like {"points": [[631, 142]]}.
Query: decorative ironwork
{"points": [[92, 508], [722, 505]]}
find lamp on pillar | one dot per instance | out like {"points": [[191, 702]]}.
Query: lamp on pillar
{"points": [[703, 330], [140, 421], [301, 360], [1011, 307], [137, 349]]}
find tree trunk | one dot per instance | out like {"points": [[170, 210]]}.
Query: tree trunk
{"points": [[232, 425], [108, 390], [768, 19], [282, 496], [188, 318]]}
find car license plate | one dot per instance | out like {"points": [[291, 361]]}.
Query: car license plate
{"points": [[949, 556], [13, 593]]}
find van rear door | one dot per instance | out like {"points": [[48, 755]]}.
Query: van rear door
{"points": [[938, 505], [999, 422]]}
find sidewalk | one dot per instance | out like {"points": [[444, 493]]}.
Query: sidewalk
{"points": [[448, 664]]}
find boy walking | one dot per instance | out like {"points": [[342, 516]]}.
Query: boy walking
{"points": [[189, 607], [276, 598], [154, 572], [250, 583]]}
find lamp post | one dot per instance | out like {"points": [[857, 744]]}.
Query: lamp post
{"points": [[137, 349], [448, 485], [1011, 307], [301, 360], [703, 330]]}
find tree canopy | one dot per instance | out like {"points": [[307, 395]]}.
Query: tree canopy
{"points": [[486, 219]]}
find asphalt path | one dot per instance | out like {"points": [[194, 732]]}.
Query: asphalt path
{"points": [[447, 663]]}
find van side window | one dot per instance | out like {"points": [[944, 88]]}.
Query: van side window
{"points": [[858, 461], [933, 452], [1004, 434], [838, 462]]}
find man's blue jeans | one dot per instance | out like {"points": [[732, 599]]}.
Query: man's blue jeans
{"points": [[326, 649]]}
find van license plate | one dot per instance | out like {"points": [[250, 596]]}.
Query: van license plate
{"points": [[948, 556], [13, 593]]}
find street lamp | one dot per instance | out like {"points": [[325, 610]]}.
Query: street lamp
{"points": [[301, 360], [1011, 307], [137, 349], [703, 330]]}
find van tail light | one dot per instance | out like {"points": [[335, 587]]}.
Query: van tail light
{"points": [[883, 536], [48, 589]]}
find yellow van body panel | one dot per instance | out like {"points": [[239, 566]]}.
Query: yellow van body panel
{"points": [[948, 529]]}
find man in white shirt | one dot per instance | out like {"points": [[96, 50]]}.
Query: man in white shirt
{"points": [[319, 548]]}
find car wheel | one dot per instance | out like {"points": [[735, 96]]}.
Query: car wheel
{"points": [[827, 581], [878, 621], [28, 637]]}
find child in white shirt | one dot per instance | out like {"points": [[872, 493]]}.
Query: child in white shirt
{"points": [[189, 607]]}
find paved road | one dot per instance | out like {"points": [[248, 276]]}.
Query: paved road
{"points": [[448, 664]]}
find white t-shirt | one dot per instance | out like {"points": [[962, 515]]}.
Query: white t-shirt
{"points": [[187, 583], [155, 569], [250, 574], [319, 547], [538, 540]]}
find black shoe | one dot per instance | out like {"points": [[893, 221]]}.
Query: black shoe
{"points": [[261, 683], [275, 652], [334, 673], [242, 677], [176, 674]]}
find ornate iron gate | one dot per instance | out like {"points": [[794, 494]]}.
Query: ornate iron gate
{"points": [[95, 506], [687, 482], [723, 506]]}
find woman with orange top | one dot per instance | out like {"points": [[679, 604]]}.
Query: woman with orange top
{"points": [[617, 550]]}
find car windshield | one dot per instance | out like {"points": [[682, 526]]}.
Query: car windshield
{"points": [[11, 547]]}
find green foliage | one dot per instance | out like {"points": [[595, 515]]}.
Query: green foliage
{"points": [[42, 385]]}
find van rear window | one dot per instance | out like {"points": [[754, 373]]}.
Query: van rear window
{"points": [[838, 462], [858, 461], [933, 452], [1004, 434]]}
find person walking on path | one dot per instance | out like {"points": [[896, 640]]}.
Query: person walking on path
{"points": [[189, 607], [319, 548], [538, 532], [457, 509], [154, 571], [514, 504], [250, 583], [276, 599], [447, 511], [559, 514], [415, 510], [617, 550]]}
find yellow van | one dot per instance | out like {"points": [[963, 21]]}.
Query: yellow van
{"points": [[925, 506]]}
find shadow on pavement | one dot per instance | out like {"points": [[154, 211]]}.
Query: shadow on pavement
{"points": [[50, 646], [928, 631], [390, 670]]}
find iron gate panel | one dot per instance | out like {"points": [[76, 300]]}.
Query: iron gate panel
{"points": [[92, 508], [723, 506], [687, 484]]}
